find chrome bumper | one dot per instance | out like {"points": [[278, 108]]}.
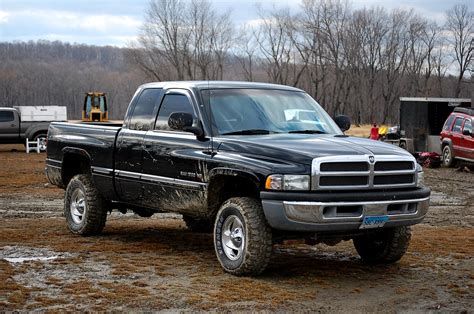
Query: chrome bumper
{"points": [[316, 212], [340, 216]]}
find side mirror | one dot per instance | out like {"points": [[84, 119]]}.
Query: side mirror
{"points": [[343, 122], [183, 121], [466, 132]]}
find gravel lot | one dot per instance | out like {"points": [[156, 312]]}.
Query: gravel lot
{"points": [[157, 264]]}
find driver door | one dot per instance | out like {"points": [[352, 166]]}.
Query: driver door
{"points": [[174, 161]]}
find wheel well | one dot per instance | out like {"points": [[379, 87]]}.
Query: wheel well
{"points": [[446, 143], [223, 187], [72, 165], [45, 132]]}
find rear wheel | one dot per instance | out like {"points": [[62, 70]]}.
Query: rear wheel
{"points": [[84, 208], [448, 160], [242, 237], [385, 246], [42, 141]]}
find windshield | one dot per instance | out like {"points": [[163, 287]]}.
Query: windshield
{"points": [[265, 111]]}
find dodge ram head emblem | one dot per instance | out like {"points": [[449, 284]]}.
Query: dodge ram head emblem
{"points": [[371, 159]]}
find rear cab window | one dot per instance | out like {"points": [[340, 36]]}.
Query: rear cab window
{"points": [[143, 115]]}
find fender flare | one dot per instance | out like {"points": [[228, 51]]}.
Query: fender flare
{"points": [[35, 129], [232, 172], [68, 151], [75, 151], [447, 142]]}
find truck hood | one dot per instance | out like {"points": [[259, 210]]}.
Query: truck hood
{"points": [[302, 148]]}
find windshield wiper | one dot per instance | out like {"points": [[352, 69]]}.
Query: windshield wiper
{"points": [[250, 132], [308, 132]]}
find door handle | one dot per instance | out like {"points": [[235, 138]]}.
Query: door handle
{"points": [[13, 125]]}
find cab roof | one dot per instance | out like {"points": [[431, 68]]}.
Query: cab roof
{"points": [[204, 85]]}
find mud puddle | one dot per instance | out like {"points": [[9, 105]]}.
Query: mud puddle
{"points": [[21, 254]]}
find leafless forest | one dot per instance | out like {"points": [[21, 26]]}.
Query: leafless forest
{"points": [[353, 61]]}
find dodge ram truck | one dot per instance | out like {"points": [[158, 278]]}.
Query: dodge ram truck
{"points": [[239, 160]]}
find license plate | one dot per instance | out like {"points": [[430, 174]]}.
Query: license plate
{"points": [[373, 222]]}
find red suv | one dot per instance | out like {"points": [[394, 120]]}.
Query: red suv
{"points": [[457, 138]]}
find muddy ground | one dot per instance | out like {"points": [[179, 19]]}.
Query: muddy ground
{"points": [[155, 264]]}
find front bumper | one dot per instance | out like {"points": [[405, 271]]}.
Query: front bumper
{"points": [[343, 211]]}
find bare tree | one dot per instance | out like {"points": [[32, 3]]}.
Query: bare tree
{"points": [[275, 45], [431, 41], [460, 25], [246, 48], [165, 37], [188, 39]]}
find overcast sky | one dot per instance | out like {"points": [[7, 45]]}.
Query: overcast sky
{"points": [[116, 22]]}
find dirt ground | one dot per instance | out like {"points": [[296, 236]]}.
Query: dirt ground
{"points": [[157, 264]]}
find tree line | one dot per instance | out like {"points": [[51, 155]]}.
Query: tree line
{"points": [[42, 73], [352, 61], [357, 62]]}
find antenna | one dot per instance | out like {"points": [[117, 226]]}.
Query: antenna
{"points": [[210, 115]]}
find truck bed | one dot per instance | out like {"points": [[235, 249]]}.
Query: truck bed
{"points": [[96, 142]]}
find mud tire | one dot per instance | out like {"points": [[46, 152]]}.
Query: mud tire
{"points": [[95, 214], [386, 246], [257, 246], [198, 225], [448, 158]]}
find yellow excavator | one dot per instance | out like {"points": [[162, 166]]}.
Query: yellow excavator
{"points": [[95, 108]]}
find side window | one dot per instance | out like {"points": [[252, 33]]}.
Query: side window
{"points": [[172, 103], [457, 125], [142, 114], [447, 124], [468, 125], [6, 116]]}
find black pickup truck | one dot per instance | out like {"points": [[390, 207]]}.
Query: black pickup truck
{"points": [[253, 163]]}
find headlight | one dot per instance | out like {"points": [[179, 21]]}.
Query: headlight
{"points": [[287, 182], [420, 180]]}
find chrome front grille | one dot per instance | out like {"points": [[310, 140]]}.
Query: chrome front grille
{"points": [[363, 172]]}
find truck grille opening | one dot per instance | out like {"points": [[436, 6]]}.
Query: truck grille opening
{"points": [[363, 171], [393, 179], [344, 166], [342, 211], [399, 209], [393, 165], [344, 181]]}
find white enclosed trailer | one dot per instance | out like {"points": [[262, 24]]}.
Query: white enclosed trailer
{"points": [[42, 113]]}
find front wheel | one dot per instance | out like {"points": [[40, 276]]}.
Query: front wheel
{"points": [[448, 160], [385, 246], [84, 208], [242, 237]]}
